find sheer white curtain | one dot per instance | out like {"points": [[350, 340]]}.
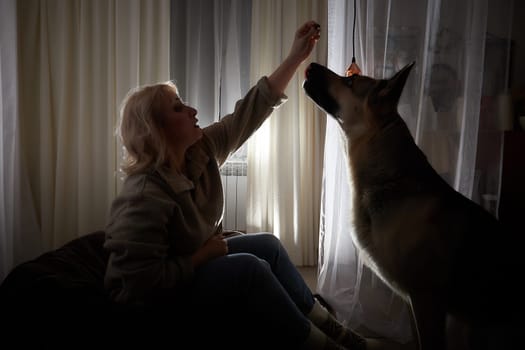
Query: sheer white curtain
{"points": [[66, 70], [285, 154], [441, 105]]}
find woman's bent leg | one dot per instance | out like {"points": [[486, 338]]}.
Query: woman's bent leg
{"points": [[243, 286], [269, 248]]}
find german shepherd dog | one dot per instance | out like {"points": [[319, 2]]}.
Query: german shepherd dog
{"points": [[447, 257]]}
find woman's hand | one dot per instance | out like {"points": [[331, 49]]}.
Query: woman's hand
{"points": [[214, 247], [304, 42], [305, 38]]}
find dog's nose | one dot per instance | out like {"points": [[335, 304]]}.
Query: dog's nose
{"points": [[311, 69], [307, 71]]}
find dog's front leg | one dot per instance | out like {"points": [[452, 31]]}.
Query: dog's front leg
{"points": [[430, 317]]}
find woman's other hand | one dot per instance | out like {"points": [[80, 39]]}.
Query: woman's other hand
{"points": [[214, 247]]}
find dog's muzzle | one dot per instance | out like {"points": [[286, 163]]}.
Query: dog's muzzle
{"points": [[317, 86]]}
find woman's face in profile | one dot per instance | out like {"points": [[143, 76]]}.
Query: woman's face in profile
{"points": [[179, 121]]}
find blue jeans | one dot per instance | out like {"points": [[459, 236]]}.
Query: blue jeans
{"points": [[257, 284]]}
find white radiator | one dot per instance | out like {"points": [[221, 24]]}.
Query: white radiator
{"points": [[233, 175]]}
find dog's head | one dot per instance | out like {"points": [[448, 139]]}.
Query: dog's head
{"points": [[354, 100]]}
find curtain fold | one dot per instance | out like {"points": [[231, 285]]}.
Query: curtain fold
{"points": [[76, 61], [17, 215], [210, 59], [285, 154], [440, 104]]}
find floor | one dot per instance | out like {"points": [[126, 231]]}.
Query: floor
{"points": [[309, 274]]}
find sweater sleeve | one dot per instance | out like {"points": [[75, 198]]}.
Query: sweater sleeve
{"points": [[228, 134], [140, 265]]}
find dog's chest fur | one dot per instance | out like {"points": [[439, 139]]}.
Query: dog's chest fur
{"points": [[385, 194]]}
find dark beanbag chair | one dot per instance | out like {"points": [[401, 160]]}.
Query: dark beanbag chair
{"points": [[60, 295]]}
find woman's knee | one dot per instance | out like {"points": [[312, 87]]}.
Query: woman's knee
{"points": [[270, 241], [249, 263], [233, 274], [250, 270]]}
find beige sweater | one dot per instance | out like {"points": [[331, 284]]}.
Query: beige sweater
{"points": [[159, 220]]}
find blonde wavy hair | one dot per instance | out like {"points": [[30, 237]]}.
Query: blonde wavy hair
{"points": [[140, 127]]}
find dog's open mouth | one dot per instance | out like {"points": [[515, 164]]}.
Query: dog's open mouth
{"points": [[316, 87]]}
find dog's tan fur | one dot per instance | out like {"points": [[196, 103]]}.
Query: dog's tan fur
{"points": [[437, 249]]}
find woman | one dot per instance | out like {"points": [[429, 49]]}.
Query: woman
{"points": [[164, 234]]}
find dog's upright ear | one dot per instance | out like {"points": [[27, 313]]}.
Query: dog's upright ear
{"points": [[388, 92]]}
